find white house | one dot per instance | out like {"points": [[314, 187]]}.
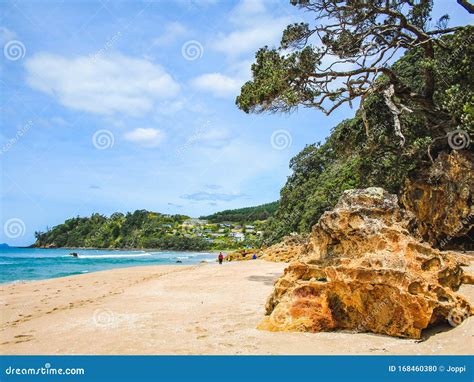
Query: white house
{"points": [[238, 236]]}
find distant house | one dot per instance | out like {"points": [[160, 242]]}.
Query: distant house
{"points": [[238, 236]]}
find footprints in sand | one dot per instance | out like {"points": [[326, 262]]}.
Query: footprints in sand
{"points": [[201, 332], [23, 338], [18, 339]]}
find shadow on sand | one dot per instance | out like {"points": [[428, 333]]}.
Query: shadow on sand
{"points": [[269, 279]]}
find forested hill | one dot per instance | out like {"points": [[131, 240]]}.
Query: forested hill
{"points": [[244, 215], [146, 229]]}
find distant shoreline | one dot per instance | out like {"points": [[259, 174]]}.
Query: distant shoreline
{"points": [[25, 264], [131, 249]]}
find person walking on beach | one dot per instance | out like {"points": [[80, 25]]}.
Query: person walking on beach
{"points": [[220, 258]]}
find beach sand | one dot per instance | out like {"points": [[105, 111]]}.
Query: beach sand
{"points": [[202, 309]]}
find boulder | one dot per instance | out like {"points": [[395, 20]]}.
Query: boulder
{"points": [[366, 273], [241, 255]]}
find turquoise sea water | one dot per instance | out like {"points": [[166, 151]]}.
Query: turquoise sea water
{"points": [[17, 264]]}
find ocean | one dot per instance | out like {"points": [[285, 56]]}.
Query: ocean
{"points": [[22, 264]]}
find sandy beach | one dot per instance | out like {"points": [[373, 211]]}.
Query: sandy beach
{"points": [[202, 309]]}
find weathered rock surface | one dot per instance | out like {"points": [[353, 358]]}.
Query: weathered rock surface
{"points": [[365, 272], [242, 254], [291, 248], [442, 200]]}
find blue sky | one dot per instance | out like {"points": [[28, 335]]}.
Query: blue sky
{"points": [[119, 105]]}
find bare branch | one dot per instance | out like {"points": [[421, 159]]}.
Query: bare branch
{"points": [[388, 95]]}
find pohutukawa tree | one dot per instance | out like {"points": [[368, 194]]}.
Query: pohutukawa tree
{"points": [[346, 55]]}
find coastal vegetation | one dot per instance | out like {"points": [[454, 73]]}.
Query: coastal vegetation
{"points": [[244, 215], [145, 229]]}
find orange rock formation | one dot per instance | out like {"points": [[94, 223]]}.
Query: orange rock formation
{"points": [[365, 272]]}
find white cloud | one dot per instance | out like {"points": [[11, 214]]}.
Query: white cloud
{"points": [[172, 32], [255, 28], [218, 84], [146, 137], [105, 85], [248, 8], [225, 85], [250, 39]]}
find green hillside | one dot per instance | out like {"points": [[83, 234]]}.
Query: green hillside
{"points": [[244, 215]]}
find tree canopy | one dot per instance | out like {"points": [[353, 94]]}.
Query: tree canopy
{"points": [[346, 55], [244, 215]]}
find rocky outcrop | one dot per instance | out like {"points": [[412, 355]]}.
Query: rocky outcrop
{"points": [[442, 200], [242, 254], [365, 272], [291, 248]]}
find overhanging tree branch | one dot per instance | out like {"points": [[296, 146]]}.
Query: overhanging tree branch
{"points": [[346, 55]]}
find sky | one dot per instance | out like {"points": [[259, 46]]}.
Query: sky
{"points": [[121, 105]]}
